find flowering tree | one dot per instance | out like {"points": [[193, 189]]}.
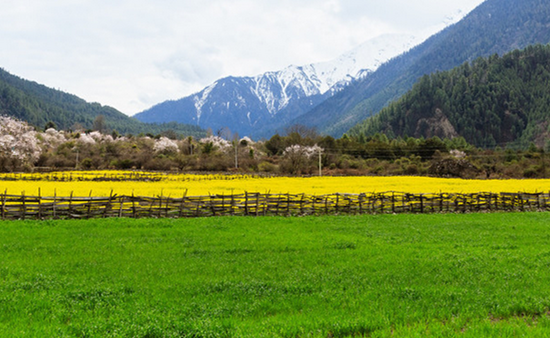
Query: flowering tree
{"points": [[86, 139], [101, 138], [165, 145], [215, 142], [246, 141], [300, 158], [18, 144], [52, 138]]}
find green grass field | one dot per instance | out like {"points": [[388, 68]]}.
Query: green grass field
{"points": [[474, 275]]}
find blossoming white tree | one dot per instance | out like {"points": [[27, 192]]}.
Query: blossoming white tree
{"points": [[52, 138], [18, 144], [86, 139], [246, 141], [165, 145], [215, 142], [299, 158]]}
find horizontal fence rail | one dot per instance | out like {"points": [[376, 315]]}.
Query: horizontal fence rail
{"points": [[258, 204]]}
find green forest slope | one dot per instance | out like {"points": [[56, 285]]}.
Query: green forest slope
{"points": [[494, 27], [39, 105], [491, 102]]}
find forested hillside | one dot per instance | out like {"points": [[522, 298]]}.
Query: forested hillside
{"points": [[40, 105], [496, 26], [490, 102]]}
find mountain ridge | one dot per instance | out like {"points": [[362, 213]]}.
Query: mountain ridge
{"points": [[256, 106], [40, 105], [495, 26]]}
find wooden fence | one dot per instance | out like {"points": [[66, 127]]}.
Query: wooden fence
{"points": [[256, 204]]}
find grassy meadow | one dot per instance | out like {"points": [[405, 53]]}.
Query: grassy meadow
{"points": [[472, 275]]}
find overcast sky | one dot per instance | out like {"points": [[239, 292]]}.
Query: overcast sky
{"points": [[132, 54]]}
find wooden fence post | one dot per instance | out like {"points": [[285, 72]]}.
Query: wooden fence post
{"points": [[108, 206], [278, 203], [24, 207], [257, 204], [182, 201], [71, 205], [89, 213], [4, 204], [197, 204], [232, 204], [120, 207], [288, 204], [54, 203], [134, 205], [39, 204], [522, 202], [211, 202], [167, 206], [160, 203], [246, 203]]}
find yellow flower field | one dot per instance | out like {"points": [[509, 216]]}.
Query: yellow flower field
{"points": [[82, 184]]}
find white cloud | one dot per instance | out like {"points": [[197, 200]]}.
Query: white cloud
{"points": [[134, 54]]}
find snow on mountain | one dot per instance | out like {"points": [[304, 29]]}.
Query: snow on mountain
{"points": [[249, 104], [366, 57], [319, 78]]}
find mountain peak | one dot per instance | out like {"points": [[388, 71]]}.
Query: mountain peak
{"points": [[366, 57], [250, 104]]}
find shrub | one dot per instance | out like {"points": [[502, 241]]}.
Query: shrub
{"points": [[267, 167]]}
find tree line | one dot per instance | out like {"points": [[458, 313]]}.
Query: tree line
{"points": [[300, 151]]}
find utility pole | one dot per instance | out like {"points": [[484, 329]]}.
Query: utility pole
{"points": [[236, 143], [543, 164], [320, 162]]}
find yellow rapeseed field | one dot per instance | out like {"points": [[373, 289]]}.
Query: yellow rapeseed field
{"points": [[83, 184]]}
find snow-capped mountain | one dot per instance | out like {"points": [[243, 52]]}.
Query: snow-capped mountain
{"points": [[260, 105], [250, 105], [360, 61]]}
